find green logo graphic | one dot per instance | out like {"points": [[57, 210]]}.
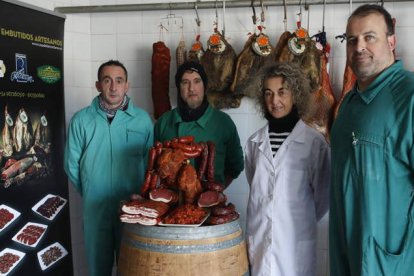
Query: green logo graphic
{"points": [[49, 73]]}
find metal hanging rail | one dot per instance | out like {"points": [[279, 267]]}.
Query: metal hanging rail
{"points": [[200, 5]]}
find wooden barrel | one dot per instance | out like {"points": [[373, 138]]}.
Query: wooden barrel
{"points": [[206, 250]]}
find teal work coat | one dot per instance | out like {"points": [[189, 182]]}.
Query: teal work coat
{"points": [[371, 202], [106, 163], [215, 126]]}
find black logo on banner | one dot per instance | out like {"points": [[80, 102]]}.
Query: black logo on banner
{"points": [[20, 75]]}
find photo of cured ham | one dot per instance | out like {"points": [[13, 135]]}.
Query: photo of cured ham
{"points": [[25, 154], [9, 259], [49, 206], [7, 216], [50, 255], [30, 234]]}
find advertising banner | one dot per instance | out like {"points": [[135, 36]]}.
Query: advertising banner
{"points": [[34, 207]]}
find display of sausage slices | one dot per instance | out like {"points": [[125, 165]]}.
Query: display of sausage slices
{"points": [[9, 258], [49, 206], [30, 234], [7, 216], [50, 255]]}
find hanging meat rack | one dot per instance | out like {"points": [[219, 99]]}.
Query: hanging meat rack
{"points": [[200, 5]]}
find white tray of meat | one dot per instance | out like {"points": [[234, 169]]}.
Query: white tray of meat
{"points": [[50, 255], [49, 206], [9, 259], [30, 234], [7, 216]]}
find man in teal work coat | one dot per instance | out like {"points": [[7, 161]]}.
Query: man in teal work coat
{"points": [[372, 193], [194, 116], [105, 159]]}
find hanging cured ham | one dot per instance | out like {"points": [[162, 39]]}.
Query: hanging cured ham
{"points": [[281, 51], [348, 83], [160, 77], [219, 62], [22, 132], [322, 102], [299, 48], [256, 54]]}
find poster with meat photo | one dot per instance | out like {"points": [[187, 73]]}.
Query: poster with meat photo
{"points": [[33, 185]]}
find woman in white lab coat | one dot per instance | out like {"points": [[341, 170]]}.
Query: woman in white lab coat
{"points": [[287, 164]]}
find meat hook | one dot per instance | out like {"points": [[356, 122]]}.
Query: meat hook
{"points": [[224, 18], [198, 18], [254, 18], [285, 18]]}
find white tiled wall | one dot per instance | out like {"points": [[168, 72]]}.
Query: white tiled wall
{"points": [[93, 38]]}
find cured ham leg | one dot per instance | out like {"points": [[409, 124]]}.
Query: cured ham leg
{"points": [[246, 79], [322, 103], [219, 62]]}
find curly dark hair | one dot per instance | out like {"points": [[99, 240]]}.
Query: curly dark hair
{"points": [[295, 81]]}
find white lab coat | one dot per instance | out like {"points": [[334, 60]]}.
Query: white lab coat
{"points": [[288, 195]]}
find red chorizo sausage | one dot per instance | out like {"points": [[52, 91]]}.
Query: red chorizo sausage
{"points": [[160, 78], [210, 162], [146, 184], [203, 161], [166, 143], [186, 139], [151, 158], [154, 180]]}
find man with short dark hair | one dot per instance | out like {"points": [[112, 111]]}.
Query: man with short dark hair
{"points": [[372, 139], [105, 159]]}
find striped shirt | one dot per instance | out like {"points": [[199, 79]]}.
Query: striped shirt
{"points": [[276, 140]]}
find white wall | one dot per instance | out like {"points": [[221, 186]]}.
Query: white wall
{"points": [[91, 39]]}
